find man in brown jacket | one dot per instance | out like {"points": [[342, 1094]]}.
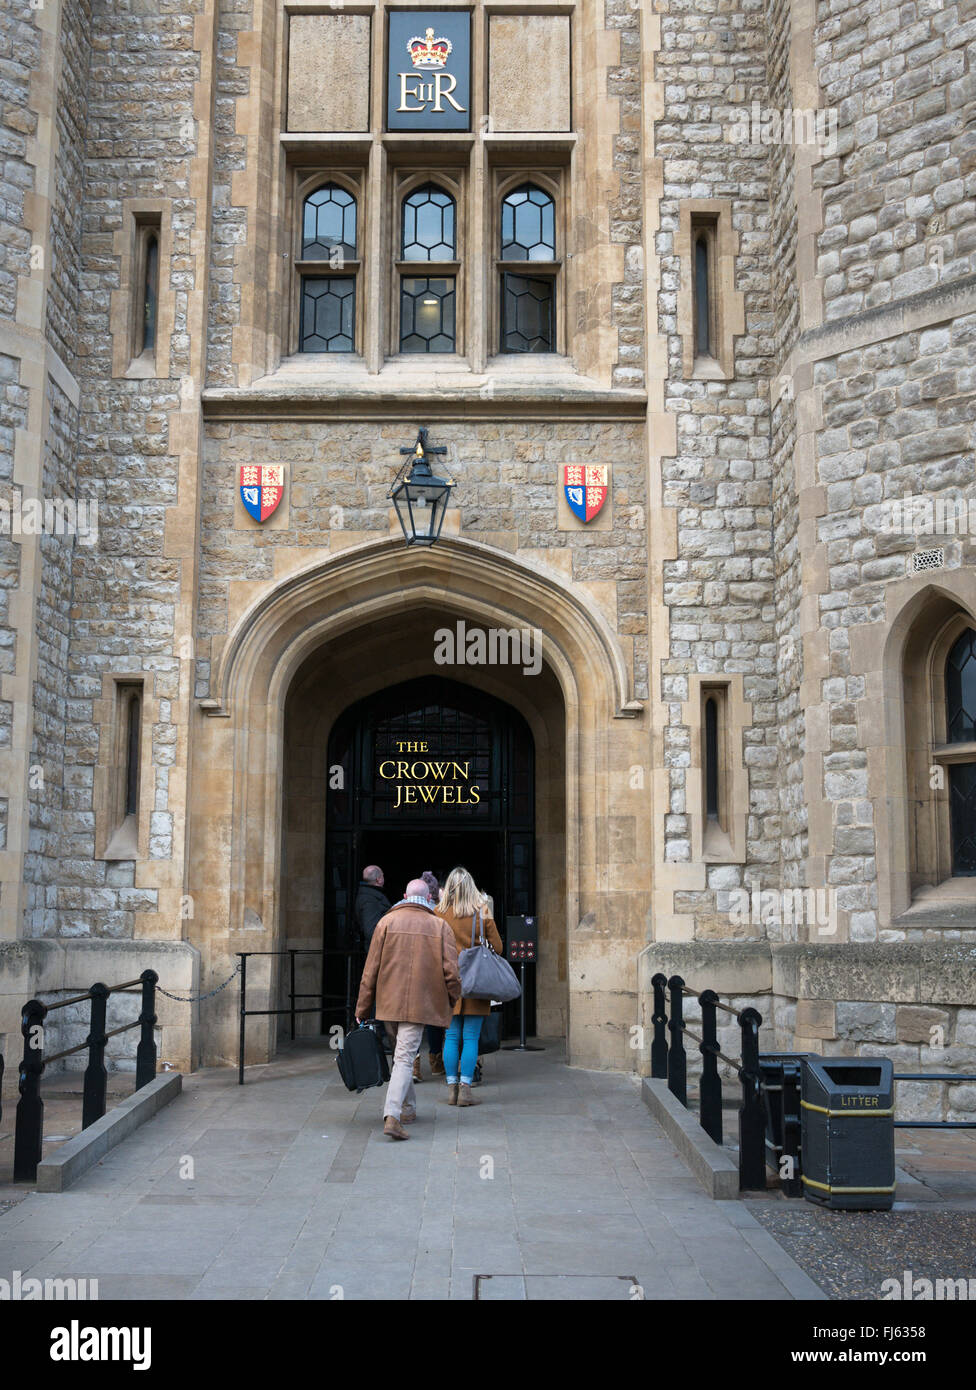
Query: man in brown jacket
{"points": [[411, 973]]}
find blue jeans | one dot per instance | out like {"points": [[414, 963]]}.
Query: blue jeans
{"points": [[462, 1037]]}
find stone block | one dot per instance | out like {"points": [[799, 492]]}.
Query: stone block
{"points": [[528, 72], [328, 72]]}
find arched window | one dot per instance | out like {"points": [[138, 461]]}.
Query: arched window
{"points": [[328, 302], [150, 291], [960, 698], [703, 297], [428, 233], [528, 302]]}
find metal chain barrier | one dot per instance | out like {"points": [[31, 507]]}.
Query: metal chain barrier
{"points": [[196, 998]]}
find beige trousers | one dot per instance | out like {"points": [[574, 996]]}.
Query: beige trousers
{"points": [[400, 1094]]}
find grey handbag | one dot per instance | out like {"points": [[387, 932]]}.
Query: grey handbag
{"points": [[484, 973]]}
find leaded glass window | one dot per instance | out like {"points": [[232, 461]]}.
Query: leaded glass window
{"points": [[528, 314], [329, 225], [961, 690], [429, 230], [428, 303], [528, 225], [327, 310], [328, 313], [427, 314], [528, 302]]}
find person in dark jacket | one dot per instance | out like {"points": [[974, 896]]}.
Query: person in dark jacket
{"points": [[371, 903]]}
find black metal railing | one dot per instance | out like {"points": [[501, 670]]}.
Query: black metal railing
{"points": [[29, 1129], [338, 1002], [670, 1062], [953, 1076]]}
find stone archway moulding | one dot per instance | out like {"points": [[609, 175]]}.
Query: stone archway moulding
{"points": [[368, 580]]}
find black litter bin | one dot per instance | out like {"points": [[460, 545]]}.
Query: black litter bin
{"points": [[781, 1073], [847, 1133]]}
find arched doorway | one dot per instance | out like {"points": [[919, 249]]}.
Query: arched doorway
{"points": [[427, 774], [300, 650]]}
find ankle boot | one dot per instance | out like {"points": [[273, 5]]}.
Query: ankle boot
{"points": [[394, 1129], [436, 1064], [465, 1097], [416, 1068], [452, 1094]]}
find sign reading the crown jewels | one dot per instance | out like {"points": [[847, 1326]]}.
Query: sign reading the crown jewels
{"points": [[586, 486], [262, 488], [428, 56]]}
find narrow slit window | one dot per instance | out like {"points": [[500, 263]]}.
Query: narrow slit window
{"points": [[703, 297], [150, 293], [132, 740], [711, 758]]}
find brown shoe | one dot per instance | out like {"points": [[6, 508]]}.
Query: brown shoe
{"points": [[416, 1068], [452, 1094], [408, 1117], [394, 1129], [436, 1064], [465, 1097]]}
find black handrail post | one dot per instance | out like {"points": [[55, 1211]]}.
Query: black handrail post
{"points": [[96, 1077], [292, 995], [146, 1051], [710, 1087], [240, 1045], [677, 1061], [659, 1019], [29, 1132], [752, 1118]]}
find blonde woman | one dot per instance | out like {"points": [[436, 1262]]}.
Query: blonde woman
{"points": [[459, 903]]}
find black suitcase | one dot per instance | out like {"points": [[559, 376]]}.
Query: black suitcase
{"points": [[490, 1038], [361, 1060]]}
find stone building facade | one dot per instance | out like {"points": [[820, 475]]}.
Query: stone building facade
{"points": [[758, 280]]}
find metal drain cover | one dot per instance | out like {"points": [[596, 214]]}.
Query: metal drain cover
{"points": [[556, 1287]]}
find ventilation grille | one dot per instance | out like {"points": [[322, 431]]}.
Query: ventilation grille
{"points": [[928, 560]]}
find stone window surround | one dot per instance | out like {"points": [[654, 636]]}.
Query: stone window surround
{"points": [[306, 182], [117, 836], [724, 843], [401, 184], [479, 151], [140, 215], [504, 181], [727, 312], [476, 338]]}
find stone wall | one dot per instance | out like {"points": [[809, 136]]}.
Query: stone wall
{"points": [[20, 46], [720, 586], [338, 476], [71, 116], [900, 194], [13, 417]]}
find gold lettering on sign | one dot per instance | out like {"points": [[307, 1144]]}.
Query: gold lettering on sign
{"points": [[428, 781]]}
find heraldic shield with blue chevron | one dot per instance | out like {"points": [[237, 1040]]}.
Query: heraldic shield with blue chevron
{"points": [[586, 486]]}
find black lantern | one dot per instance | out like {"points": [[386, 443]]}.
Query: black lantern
{"points": [[420, 497]]}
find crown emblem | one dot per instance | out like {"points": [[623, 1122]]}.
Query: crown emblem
{"points": [[429, 52]]}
